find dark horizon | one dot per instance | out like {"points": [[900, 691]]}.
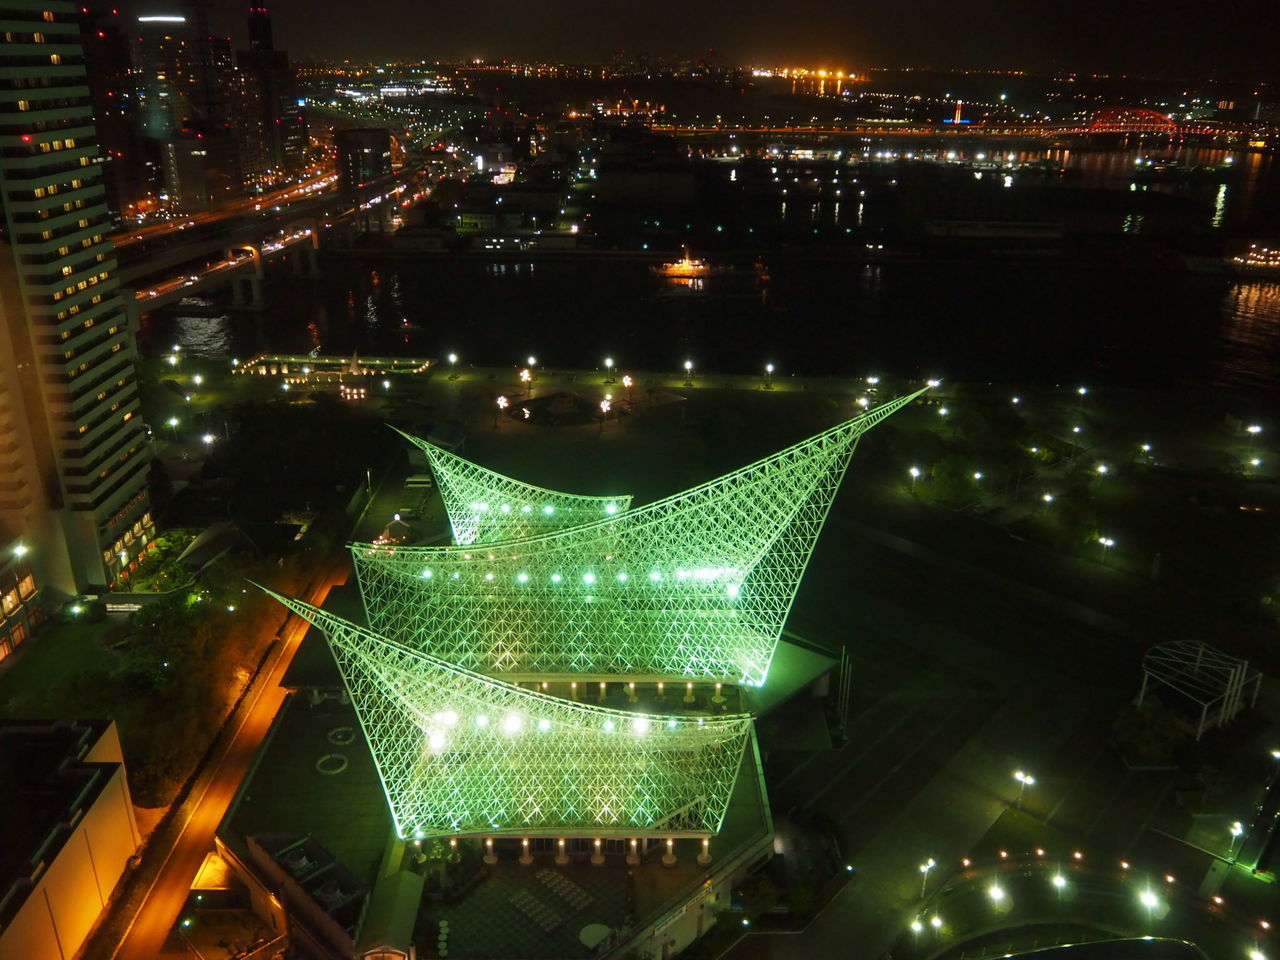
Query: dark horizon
{"points": [[1135, 38]]}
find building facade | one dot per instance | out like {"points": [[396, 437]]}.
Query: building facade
{"points": [[73, 449], [70, 835]]}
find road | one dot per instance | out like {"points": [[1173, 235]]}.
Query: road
{"points": [[324, 181], [215, 788]]}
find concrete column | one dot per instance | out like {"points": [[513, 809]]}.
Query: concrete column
{"points": [[631, 692], [237, 291], [489, 856], [602, 691], [719, 697], [562, 858], [597, 856], [688, 693], [633, 855], [704, 857], [669, 858], [255, 285], [526, 858], [313, 263]]}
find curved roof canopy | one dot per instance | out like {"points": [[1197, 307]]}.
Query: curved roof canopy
{"points": [[464, 754], [484, 506], [696, 586]]}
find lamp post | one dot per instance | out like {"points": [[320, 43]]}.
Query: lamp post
{"points": [[915, 475], [1024, 780], [924, 874], [453, 363], [688, 373], [1107, 543], [608, 370], [1253, 430], [502, 405], [605, 404], [768, 376], [1237, 831], [1081, 391]]}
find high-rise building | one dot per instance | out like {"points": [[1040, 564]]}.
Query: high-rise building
{"points": [[364, 154], [280, 146], [260, 28], [73, 449], [109, 70]]}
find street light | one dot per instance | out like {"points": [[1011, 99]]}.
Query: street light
{"points": [[20, 550], [915, 475], [208, 439], [688, 373], [172, 422], [1024, 780], [608, 368], [768, 376], [453, 362], [977, 475], [1107, 543], [995, 892], [197, 379], [924, 876]]}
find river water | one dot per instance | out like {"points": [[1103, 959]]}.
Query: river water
{"points": [[1022, 320]]}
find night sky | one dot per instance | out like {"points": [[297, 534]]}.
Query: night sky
{"points": [[1192, 38]]}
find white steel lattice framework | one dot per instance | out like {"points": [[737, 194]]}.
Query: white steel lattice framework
{"points": [[484, 506], [693, 587], [463, 754]]}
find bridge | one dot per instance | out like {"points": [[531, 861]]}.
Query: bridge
{"points": [[188, 264], [1111, 121]]}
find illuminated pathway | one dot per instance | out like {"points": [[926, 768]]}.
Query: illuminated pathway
{"points": [[994, 908], [215, 789]]}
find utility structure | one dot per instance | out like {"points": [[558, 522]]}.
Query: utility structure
{"points": [[469, 676]]}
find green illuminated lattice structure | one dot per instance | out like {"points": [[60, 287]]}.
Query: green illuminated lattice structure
{"points": [[693, 587], [484, 506], [463, 754]]}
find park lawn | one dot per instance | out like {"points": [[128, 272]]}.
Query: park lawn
{"points": [[58, 649]]}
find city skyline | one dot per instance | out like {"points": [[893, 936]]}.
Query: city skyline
{"points": [[1039, 37]]}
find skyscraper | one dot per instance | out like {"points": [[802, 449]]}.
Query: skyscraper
{"points": [[109, 68], [276, 139], [73, 449], [260, 29]]}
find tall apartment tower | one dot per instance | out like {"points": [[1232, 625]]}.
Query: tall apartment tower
{"points": [[73, 449], [280, 148]]}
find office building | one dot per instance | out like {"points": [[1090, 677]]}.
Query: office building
{"points": [[277, 150], [73, 449], [69, 833], [364, 154]]}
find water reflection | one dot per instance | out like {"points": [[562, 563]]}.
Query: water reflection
{"points": [[1251, 335]]}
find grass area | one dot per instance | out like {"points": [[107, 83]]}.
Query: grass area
{"points": [[59, 648]]}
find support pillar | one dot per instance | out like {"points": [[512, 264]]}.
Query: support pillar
{"points": [[255, 285], [562, 858], [489, 856], [669, 857], [237, 291], [313, 263], [602, 691], [631, 692], [597, 855], [633, 855], [719, 696], [704, 856], [526, 858], [688, 693]]}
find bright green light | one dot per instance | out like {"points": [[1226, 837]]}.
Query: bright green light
{"points": [[450, 747], [723, 562]]}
